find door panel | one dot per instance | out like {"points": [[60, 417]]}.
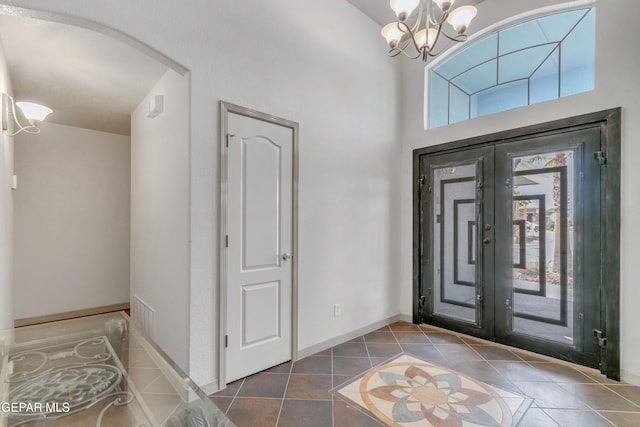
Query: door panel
{"points": [[543, 277], [261, 313], [259, 227], [260, 200], [455, 213], [549, 297], [455, 204]]}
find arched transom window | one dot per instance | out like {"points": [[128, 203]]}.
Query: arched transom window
{"points": [[535, 61]]}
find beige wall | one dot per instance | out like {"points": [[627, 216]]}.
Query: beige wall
{"points": [[6, 210], [160, 213], [322, 64], [71, 220]]}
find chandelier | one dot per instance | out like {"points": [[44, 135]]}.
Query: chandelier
{"points": [[420, 39]]}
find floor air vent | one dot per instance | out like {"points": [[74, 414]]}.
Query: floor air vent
{"points": [[143, 316]]}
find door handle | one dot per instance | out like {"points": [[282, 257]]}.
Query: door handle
{"points": [[286, 256], [486, 240]]}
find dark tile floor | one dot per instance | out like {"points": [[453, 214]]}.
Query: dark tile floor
{"points": [[297, 394]]}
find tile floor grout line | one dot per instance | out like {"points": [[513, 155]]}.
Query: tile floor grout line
{"points": [[593, 380], [301, 399], [486, 342], [257, 397], [545, 412], [402, 350], [628, 400], [591, 408], [233, 398], [366, 347], [333, 408], [395, 337], [333, 413], [488, 362], [438, 350], [578, 410], [333, 398], [286, 387]]}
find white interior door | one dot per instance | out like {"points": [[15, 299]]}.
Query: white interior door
{"points": [[260, 245]]}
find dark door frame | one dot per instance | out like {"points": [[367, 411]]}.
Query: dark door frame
{"points": [[609, 122]]}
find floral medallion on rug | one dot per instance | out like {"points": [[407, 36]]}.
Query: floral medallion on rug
{"points": [[407, 391]]}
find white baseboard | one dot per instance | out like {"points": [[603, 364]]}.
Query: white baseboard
{"points": [[630, 377], [351, 335], [27, 321], [212, 387]]}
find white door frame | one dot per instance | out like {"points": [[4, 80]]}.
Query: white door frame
{"points": [[225, 109]]}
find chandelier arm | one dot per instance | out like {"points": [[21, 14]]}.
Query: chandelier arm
{"points": [[434, 20], [427, 52], [397, 51], [416, 27], [443, 49], [411, 33], [412, 36], [459, 38], [434, 54]]}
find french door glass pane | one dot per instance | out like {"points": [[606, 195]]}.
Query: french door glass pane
{"points": [[454, 234], [543, 206]]}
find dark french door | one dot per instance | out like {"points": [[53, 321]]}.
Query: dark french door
{"points": [[457, 214], [509, 242]]}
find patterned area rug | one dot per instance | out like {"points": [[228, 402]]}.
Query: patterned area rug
{"points": [[407, 391]]}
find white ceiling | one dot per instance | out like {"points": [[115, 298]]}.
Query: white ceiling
{"points": [[378, 10], [88, 79]]}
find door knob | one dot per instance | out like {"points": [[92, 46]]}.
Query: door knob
{"points": [[287, 256], [486, 240]]}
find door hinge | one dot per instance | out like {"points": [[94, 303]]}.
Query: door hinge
{"points": [[600, 157], [229, 135], [602, 343], [421, 301], [602, 340], [422, 180], [226, 241], [226, 341]]}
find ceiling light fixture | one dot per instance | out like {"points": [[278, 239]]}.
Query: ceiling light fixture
{"points": [[34, 113], [420, 39]]}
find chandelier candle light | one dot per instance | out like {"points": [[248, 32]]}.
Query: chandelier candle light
{"points": [[419, 40]]}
